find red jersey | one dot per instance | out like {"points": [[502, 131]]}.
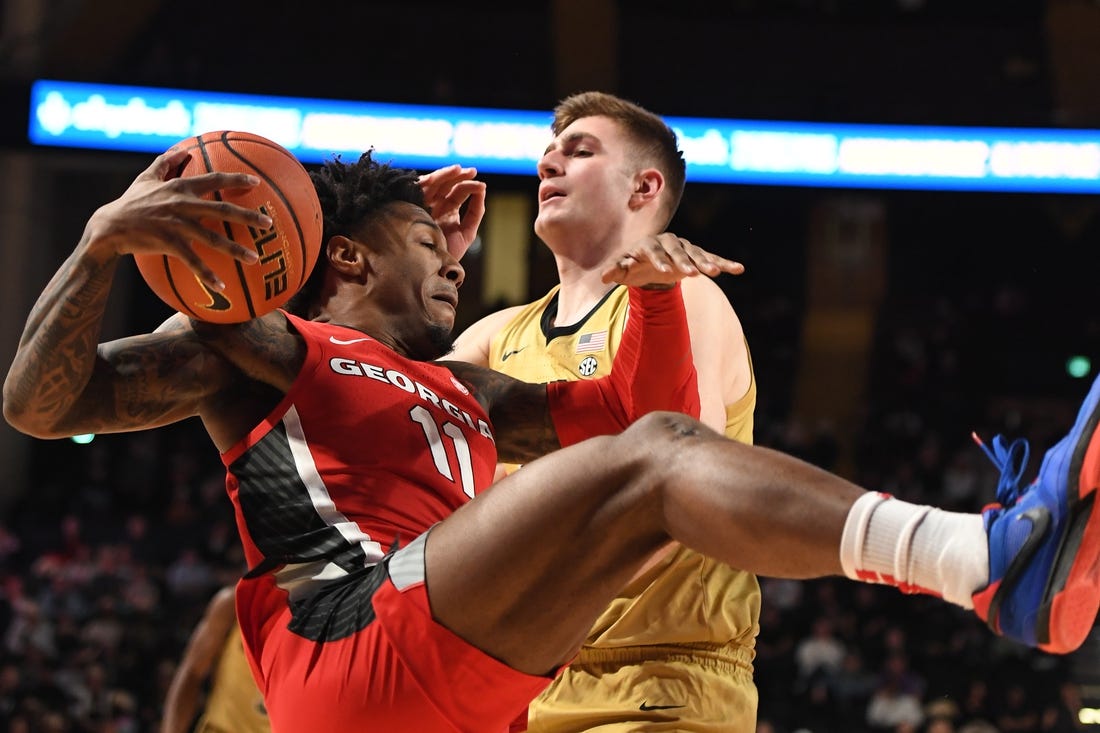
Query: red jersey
{"points": [[367, 449]]}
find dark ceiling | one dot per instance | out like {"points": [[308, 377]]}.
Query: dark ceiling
{"points": [[915, 61]]}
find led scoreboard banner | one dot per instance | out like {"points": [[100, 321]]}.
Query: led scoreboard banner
{"points": [[147, 119]]}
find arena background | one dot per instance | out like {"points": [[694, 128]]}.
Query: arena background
{"points": [[884, 326]]}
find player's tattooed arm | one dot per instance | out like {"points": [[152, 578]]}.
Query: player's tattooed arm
{"points": [[265, 349], [519, 411], [62, 383], [155, 379], [56, 355], [129, 384], [147, 381]]}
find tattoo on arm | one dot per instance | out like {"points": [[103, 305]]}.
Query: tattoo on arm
{"points": [[518, 410], [150, 380], [56, 353], [265, 349], [159, 378]]}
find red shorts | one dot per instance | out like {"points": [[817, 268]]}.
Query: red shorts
{"points": [[403, 671]]}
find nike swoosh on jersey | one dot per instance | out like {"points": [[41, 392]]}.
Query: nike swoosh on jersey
{"points": [[513, 352], [342, 342]]}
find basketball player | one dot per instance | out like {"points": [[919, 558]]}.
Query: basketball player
{"points": [[380, 593], [215, 652], [682, 633]]}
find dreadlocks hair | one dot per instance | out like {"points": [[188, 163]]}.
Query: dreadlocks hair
{"points": [[351, 194], [655, 141]]}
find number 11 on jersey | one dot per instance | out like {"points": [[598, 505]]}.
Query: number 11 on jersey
{"points": [[423, 418]]}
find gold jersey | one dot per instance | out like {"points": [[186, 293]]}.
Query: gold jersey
{"points": [[234, 703], [686, 599]]}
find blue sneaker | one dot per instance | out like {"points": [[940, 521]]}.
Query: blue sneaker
{"points": [[1044, 540]]}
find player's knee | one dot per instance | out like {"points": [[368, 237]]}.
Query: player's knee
{"points": [[661, 435], [657, 446], [663, 428]]}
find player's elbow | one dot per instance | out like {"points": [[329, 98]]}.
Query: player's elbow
{"points": [[19, 412], [28, 425], [16, 412]]}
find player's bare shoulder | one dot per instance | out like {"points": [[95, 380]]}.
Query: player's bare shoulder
{"points": [[717, 339], [707, 304], [473, 345]]}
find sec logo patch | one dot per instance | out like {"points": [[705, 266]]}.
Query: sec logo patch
{"points": [[588, 366]]}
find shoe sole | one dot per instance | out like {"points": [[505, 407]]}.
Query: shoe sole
{"points": [[1072, 595]]}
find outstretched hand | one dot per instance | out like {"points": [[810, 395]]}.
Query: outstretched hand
{"points": [[666, 259], [162, 213], [445, 192]]}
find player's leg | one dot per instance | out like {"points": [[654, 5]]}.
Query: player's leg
{"points": [[522, 571]]}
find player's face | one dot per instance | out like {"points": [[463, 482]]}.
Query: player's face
{"points": [[586, 180], [416, 281]]}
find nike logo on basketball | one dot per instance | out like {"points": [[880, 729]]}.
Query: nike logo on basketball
{"points": [[646, 708], [342, 342], [513, 352], [218, 302]]}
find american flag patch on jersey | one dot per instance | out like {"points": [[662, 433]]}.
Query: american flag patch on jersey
{"points": [[591, 342]]}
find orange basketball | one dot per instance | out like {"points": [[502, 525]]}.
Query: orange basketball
{"points": [[287, 250]]}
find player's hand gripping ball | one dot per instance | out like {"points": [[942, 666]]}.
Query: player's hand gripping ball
{"points": [[287, 250]]}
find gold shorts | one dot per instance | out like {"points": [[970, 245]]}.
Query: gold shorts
{"points": [[654, 688]]}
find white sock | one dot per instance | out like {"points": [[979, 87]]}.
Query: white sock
{"points": [[918, 549]]}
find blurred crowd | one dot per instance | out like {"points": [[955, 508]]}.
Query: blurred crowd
{"points": [[105, 569], [839, 657]]}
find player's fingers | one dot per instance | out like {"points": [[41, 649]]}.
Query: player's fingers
{"points": [[440, 181], [222, 211], [167, 165], [433, 177], [209, 182], [707, 263], [678, 251], [475, 211], [177, 234], [192, 231], [461, 191], [712, 264], [615, 271], [429, 182], [654, 251], [701, 260], [456, 196], [685, 256], [730, 267]]}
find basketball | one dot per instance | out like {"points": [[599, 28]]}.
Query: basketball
{"points": [[287, 250]]}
